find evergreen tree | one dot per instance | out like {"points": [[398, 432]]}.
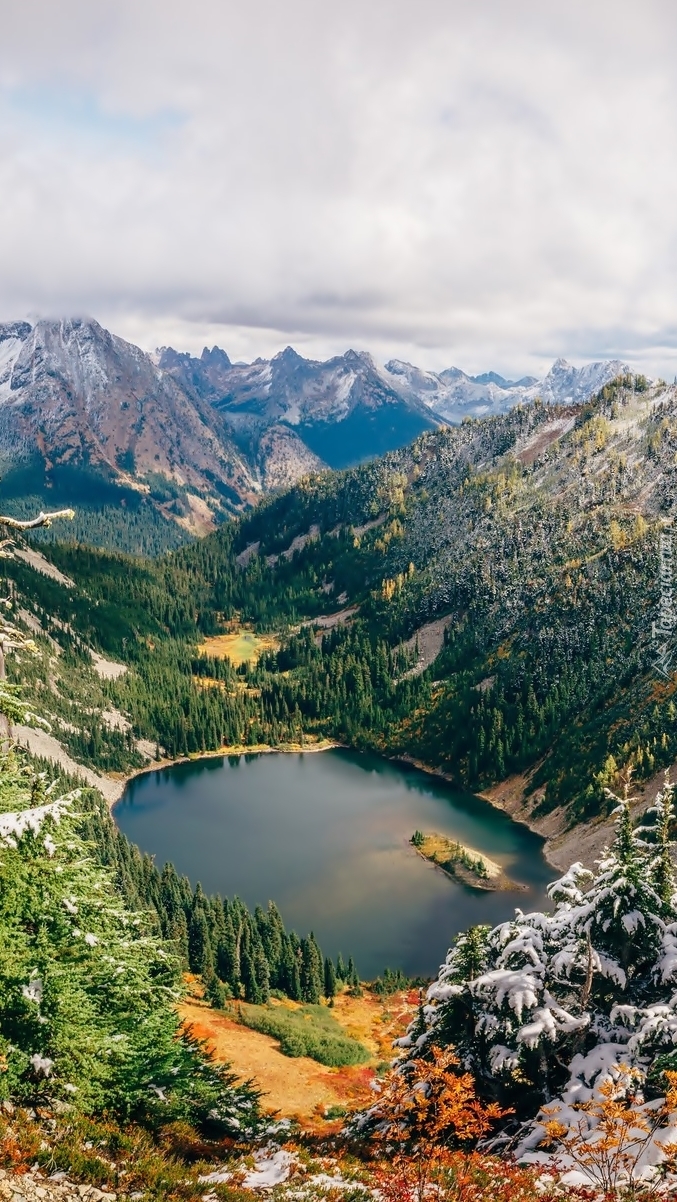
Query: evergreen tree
{"points": [[228, 957], [216, 992], [311, 971], [290, 973], [262, 973], [544, 1008], [662, 864], [200, 955], [87, 989], [329, 978]]}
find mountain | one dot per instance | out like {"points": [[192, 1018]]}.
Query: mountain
{"points": [[514, 557], [94, 419], [491, 601], [452, 395], [151, 449], [343, 411]]}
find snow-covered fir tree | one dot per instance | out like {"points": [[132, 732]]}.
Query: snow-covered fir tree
{"points": [[551, 1009]]}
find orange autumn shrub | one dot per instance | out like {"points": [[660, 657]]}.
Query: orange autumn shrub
{"points": [[616, 1134], [459, 1176], [425, 1109]]}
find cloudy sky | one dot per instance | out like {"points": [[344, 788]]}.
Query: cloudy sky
{"points": [[481, 183]]}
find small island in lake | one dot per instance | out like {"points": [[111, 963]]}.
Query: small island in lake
{"points": [[462, 863]]}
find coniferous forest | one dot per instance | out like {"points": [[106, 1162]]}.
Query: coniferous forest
{"points": [[237, 954], [542, 563], [528, 545]]}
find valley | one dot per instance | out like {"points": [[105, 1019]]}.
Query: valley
{"points": [[478, 603], [153, 450], [501, 564], [300, 1087]]}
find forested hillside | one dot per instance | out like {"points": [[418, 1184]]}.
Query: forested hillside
{"points": [[481, 601], [533, 534]]}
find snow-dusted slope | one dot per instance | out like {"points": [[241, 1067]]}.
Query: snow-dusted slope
{"points": [[79, 396], [343, 410], [566, 385], [453, 395]]}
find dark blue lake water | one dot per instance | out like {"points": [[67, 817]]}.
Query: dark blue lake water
{"points": [[326, 836]]}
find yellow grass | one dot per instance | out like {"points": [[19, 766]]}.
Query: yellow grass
{"points": [[450, 856], [239, 646], [299, 1087], [441, 849]]}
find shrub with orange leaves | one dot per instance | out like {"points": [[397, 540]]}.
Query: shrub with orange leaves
{"points": [[459, 1176], [426, 1108], [618, 1136], [427, 1102]]}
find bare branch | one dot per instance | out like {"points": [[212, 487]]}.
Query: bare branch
{"points": [[43, 519]]}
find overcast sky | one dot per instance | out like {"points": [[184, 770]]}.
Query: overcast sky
{"points": [[461, 182]]}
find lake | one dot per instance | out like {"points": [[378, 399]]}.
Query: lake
{"points": [[326, 836]]}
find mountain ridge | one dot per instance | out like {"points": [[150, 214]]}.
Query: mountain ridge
{"points": [[185, 442]]}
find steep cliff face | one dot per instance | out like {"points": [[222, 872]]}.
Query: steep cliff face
{"points": [[344, 410], [96, 420], [79, 396]]}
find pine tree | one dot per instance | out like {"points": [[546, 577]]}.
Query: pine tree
{"points": [[216, 992], [87, 989], [250, 984], [662, 865], [262, 973], [227, 956], [329, 978], [547, 1005], [311, 971], [290, 973], [200, 956]]}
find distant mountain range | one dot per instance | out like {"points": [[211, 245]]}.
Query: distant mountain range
{"points": [[86, 415]]}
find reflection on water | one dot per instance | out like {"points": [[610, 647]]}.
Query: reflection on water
{"points": [[326, 836]]}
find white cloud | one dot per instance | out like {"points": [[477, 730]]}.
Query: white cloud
{"points": [[490, 185]]}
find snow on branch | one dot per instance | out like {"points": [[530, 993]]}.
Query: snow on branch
{"points": [[43, 519], [14, 825]]}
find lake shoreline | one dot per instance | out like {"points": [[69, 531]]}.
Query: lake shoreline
{"points": [[495, 801], [328, 837], [124, 779], [462, 863], [329, 745]]}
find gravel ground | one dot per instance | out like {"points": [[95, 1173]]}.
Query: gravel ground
{"points": [[33, 1187]]}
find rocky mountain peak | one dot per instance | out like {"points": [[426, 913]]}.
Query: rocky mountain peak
{"points": [[289, 357], [15, 330], [215, 358]]}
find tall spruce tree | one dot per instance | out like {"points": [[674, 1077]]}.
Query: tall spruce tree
{"points": [[329, 978], [311, 971]]}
